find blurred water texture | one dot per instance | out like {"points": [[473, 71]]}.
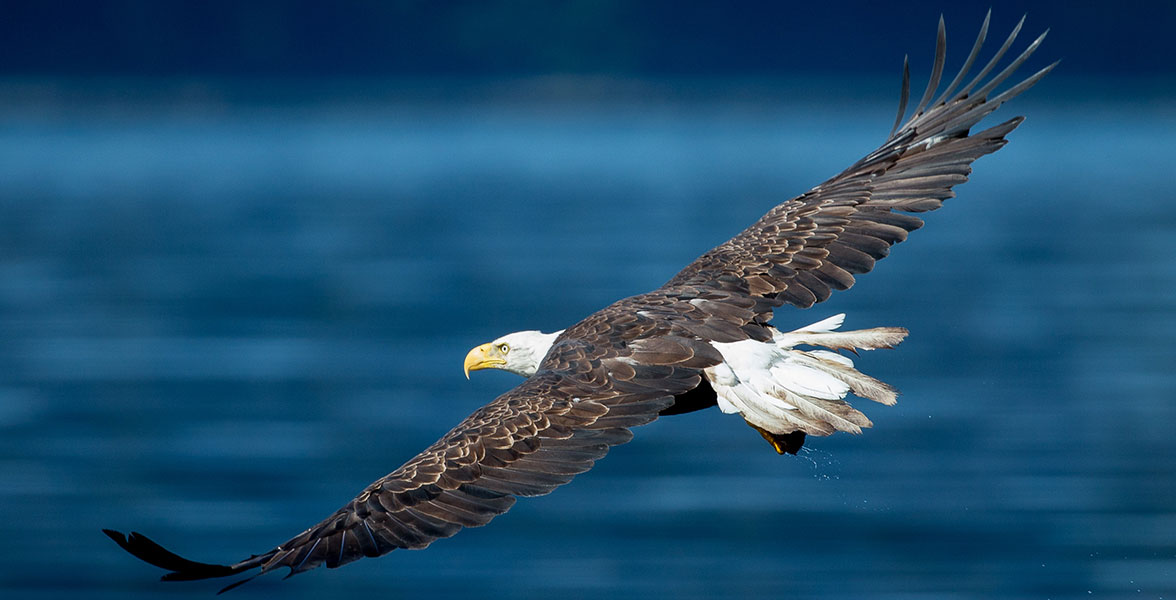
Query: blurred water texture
{"points": [[218, 325]]}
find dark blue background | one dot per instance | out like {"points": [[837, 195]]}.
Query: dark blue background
{"points": [[470, 38], [245, 246]]}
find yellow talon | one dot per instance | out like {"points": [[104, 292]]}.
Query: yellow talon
{"points": [[783, 443]]}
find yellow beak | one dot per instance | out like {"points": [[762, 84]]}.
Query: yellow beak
{"points": [[485, 356]]}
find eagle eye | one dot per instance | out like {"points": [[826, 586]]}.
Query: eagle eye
{"points": [[504, 348]]}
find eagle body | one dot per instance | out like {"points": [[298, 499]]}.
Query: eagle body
{"points": [[778, 389], [701, 339]]}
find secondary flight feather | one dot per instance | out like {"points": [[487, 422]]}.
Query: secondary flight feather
{"points": [[702, 339]]}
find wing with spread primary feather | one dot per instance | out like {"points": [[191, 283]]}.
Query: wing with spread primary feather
{"points": [[526, 442], [804, 249]]}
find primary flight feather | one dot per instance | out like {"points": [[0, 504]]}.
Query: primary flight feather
{"points": [[701, 339]]}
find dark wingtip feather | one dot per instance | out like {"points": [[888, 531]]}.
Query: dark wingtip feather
{"points": [[1000, 131], [182, 569], [1012, 67], [1024, 85], [995, 58], [963, 72], [937, 67], [905, 96]]}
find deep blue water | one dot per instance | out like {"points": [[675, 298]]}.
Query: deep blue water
{"points": [[216, 326]]}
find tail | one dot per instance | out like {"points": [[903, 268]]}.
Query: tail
{"points": [[781, 390], [182, 569], [817, 381]]}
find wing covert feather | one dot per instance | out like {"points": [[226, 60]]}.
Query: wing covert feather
{"points": [[803, 249], [524, 443]]}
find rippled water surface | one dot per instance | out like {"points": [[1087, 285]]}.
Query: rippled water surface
{"points": [[216, 327]]}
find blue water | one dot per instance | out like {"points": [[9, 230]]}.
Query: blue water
{"points": [[217, 325]]}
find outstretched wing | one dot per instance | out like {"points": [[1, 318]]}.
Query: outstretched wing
{"points": [[803, 249], [525, 443], [621, 366]]}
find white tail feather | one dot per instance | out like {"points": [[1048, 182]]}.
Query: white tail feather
{"points": [[782, 389], [862, 339], [837, 413], [828, 324], [803, 379], [859, 383], [832, 357]]}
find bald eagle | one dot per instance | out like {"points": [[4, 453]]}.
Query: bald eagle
{"points": [[701, 339]]}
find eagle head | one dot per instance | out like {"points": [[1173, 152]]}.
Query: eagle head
{"points": [[519, 353]]}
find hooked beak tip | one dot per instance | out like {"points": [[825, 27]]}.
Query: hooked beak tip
{"points": [[478, 358]]}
